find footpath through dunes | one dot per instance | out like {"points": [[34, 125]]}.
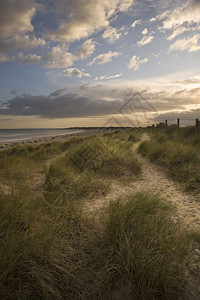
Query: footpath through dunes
{"points": [[154, 179]]}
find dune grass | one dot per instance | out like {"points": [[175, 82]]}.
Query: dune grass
{"points": [[88, 167], [51, 248], [134, 247], [178, 151]]}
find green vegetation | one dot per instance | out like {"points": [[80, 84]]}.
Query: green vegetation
{"points": [[54, 254], [51, 248], [178, 151], [88, 167]]}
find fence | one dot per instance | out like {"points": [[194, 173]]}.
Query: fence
{"points": [[196, 123]]}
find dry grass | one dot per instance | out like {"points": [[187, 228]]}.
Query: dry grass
{"points": [[52, 249]]}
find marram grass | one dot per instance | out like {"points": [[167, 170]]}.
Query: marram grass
{"points": [[51, 248]]}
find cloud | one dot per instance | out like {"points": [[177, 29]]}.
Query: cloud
{"points": [[135, 62], [191, 80], [4, 57], [189, 13], [98, 101], [124, 5], [177, 31], [111, 34], [68, 105], [86, 49], [104, 58], [145, 40], [20, 42], [145, 31], [190, 44], [28, 59], [58, 58], [86, 17], [186, 117], [75, 72], [136, 22], [58, 93], [13, 92], [107, 77], [103, 100], [16, 16], [152, 19]]}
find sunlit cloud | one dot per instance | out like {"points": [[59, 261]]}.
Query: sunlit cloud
{"points": [[75, 72], [190, 44], [86, 17], [145, 31], [107, 77], [111, 34], [58, 58], [104, 58], [189, 13], [16, 16], [86, 49], [28, 59], [145, 40], [135, 23], [135, 62]]}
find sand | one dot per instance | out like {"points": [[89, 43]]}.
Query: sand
{"points": [[154, 179], [43, 139]]}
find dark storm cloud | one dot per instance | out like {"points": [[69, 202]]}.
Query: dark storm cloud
{"points": [[57, 105], [57, 93], [99, 101], [69, 105], [13, 92]]}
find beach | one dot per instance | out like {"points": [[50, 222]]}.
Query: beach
{"points": [[39, 139]]}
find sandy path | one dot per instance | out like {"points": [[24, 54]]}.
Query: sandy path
{"points": [[154, 179]]}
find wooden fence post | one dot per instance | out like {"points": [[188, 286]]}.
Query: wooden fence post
{"points": [[197, 129], [178, 122]]}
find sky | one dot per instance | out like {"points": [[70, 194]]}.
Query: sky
{"points": [[69, 63]]}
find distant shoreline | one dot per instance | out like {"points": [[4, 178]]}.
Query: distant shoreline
{"points": [[34, 141]]}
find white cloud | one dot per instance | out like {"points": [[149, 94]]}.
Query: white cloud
{"points": [[137, 22], [124, 5], [104, 58], [75, 72], [107, 77], [145, 31], [145, 40], [191, 80], [58, 58], [189, 13], [86, 49], [86, 17], [161, 16], [152, 20], [177, 31], [111, 34], [135, 62], [20, 42], [16, 16], [190, 44], [28, 59]]}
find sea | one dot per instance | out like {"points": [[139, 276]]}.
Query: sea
{"points": [[12, 135]]}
